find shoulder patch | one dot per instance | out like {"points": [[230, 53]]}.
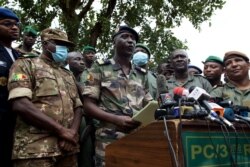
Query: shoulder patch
{"points": [[103, 62], [144, 71]]}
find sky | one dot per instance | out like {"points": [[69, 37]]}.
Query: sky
{"points": [[229, 31]]}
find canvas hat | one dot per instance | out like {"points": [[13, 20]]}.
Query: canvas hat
{"points": [[235, 53], [55, 34]]}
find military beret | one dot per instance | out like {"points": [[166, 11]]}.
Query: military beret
{"points": [[213, 59], [55, 34], [30, 30], [195, 67], [88, 48], [235, 53], [7, 13], [125, 28], [140, 45]]}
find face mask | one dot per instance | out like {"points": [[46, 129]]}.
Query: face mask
{"points": [[140, 59], [61, 54]]}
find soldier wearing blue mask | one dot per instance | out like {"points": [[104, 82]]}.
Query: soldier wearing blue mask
{"points": [[44, 95], [141, 59]]}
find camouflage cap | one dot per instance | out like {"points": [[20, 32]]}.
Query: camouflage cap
{"points": [[235, 53], [55, 34]]}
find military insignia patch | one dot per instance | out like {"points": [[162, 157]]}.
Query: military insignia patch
{"points": [[3, 81], [90, 77], [18, 77]]}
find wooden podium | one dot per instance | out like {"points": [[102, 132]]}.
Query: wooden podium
{"points": [[148, 146]]}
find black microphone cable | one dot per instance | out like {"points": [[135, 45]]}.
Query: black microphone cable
{"points": [[172, 152], [209, 134], [228, 146]]}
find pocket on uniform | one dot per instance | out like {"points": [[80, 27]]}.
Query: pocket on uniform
{"points": [[71, 86], [46, 85]]}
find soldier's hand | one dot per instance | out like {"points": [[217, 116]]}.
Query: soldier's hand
{"points": [[126, 123], [69, 135], [66, 145]]}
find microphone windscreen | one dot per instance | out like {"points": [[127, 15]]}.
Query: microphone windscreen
{"points": [[161, 84]]}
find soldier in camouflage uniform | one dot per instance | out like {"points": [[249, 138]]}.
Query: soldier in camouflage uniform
{"points": [[237, 89], [115, 91], [44, 95], [181, 78], [89, 57], [29, 39]]}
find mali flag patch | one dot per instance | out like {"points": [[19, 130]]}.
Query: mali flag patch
{"points": [[18, 77]]}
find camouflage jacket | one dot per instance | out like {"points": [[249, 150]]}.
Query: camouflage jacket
{"points": [[116, 92], [53, 91], [193, 80], [21, 52], [229, 92]]}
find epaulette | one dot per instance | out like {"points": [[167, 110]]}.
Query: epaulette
{"points": [[144, 71], [29, 55], [199, 75], [103, 62]]}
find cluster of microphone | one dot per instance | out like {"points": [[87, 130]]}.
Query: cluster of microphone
{"points": [[196, 103]]}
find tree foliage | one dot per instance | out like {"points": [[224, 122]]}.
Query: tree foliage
{"points": [[90, 22]]}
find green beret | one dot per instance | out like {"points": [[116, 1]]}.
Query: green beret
{"points": [[140, 45], [235, 53], [213, 59], [88, 48], [30, 30]]}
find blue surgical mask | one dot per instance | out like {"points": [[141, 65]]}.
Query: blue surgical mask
{"points": [[140, 59], [61, 54]]}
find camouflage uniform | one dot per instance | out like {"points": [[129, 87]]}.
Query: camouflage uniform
{"points": [[117, 94], [52, 89], [229, 92], [152, 84], [22, 52], [193, 80]]}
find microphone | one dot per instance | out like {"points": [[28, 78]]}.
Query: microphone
{"points": [[180, 92], [224, 120], [229, 114], [198, 93], [161, 84], [165, 100], [242, 117]]}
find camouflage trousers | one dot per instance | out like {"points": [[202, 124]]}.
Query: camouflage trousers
{"points": [[104, 137], [58, 161]]}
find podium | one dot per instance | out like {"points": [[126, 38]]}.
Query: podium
{"points": [[195, 143]]}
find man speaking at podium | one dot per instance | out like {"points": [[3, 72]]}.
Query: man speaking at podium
{"points": [[237, 89], [114, 91]]}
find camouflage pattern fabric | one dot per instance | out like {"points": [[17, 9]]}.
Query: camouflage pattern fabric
{"points": [[193, 80], [229, 92], [52, 89], [152, 85], [84, 76], [116, 93], [22, 52], [58, 161]]}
